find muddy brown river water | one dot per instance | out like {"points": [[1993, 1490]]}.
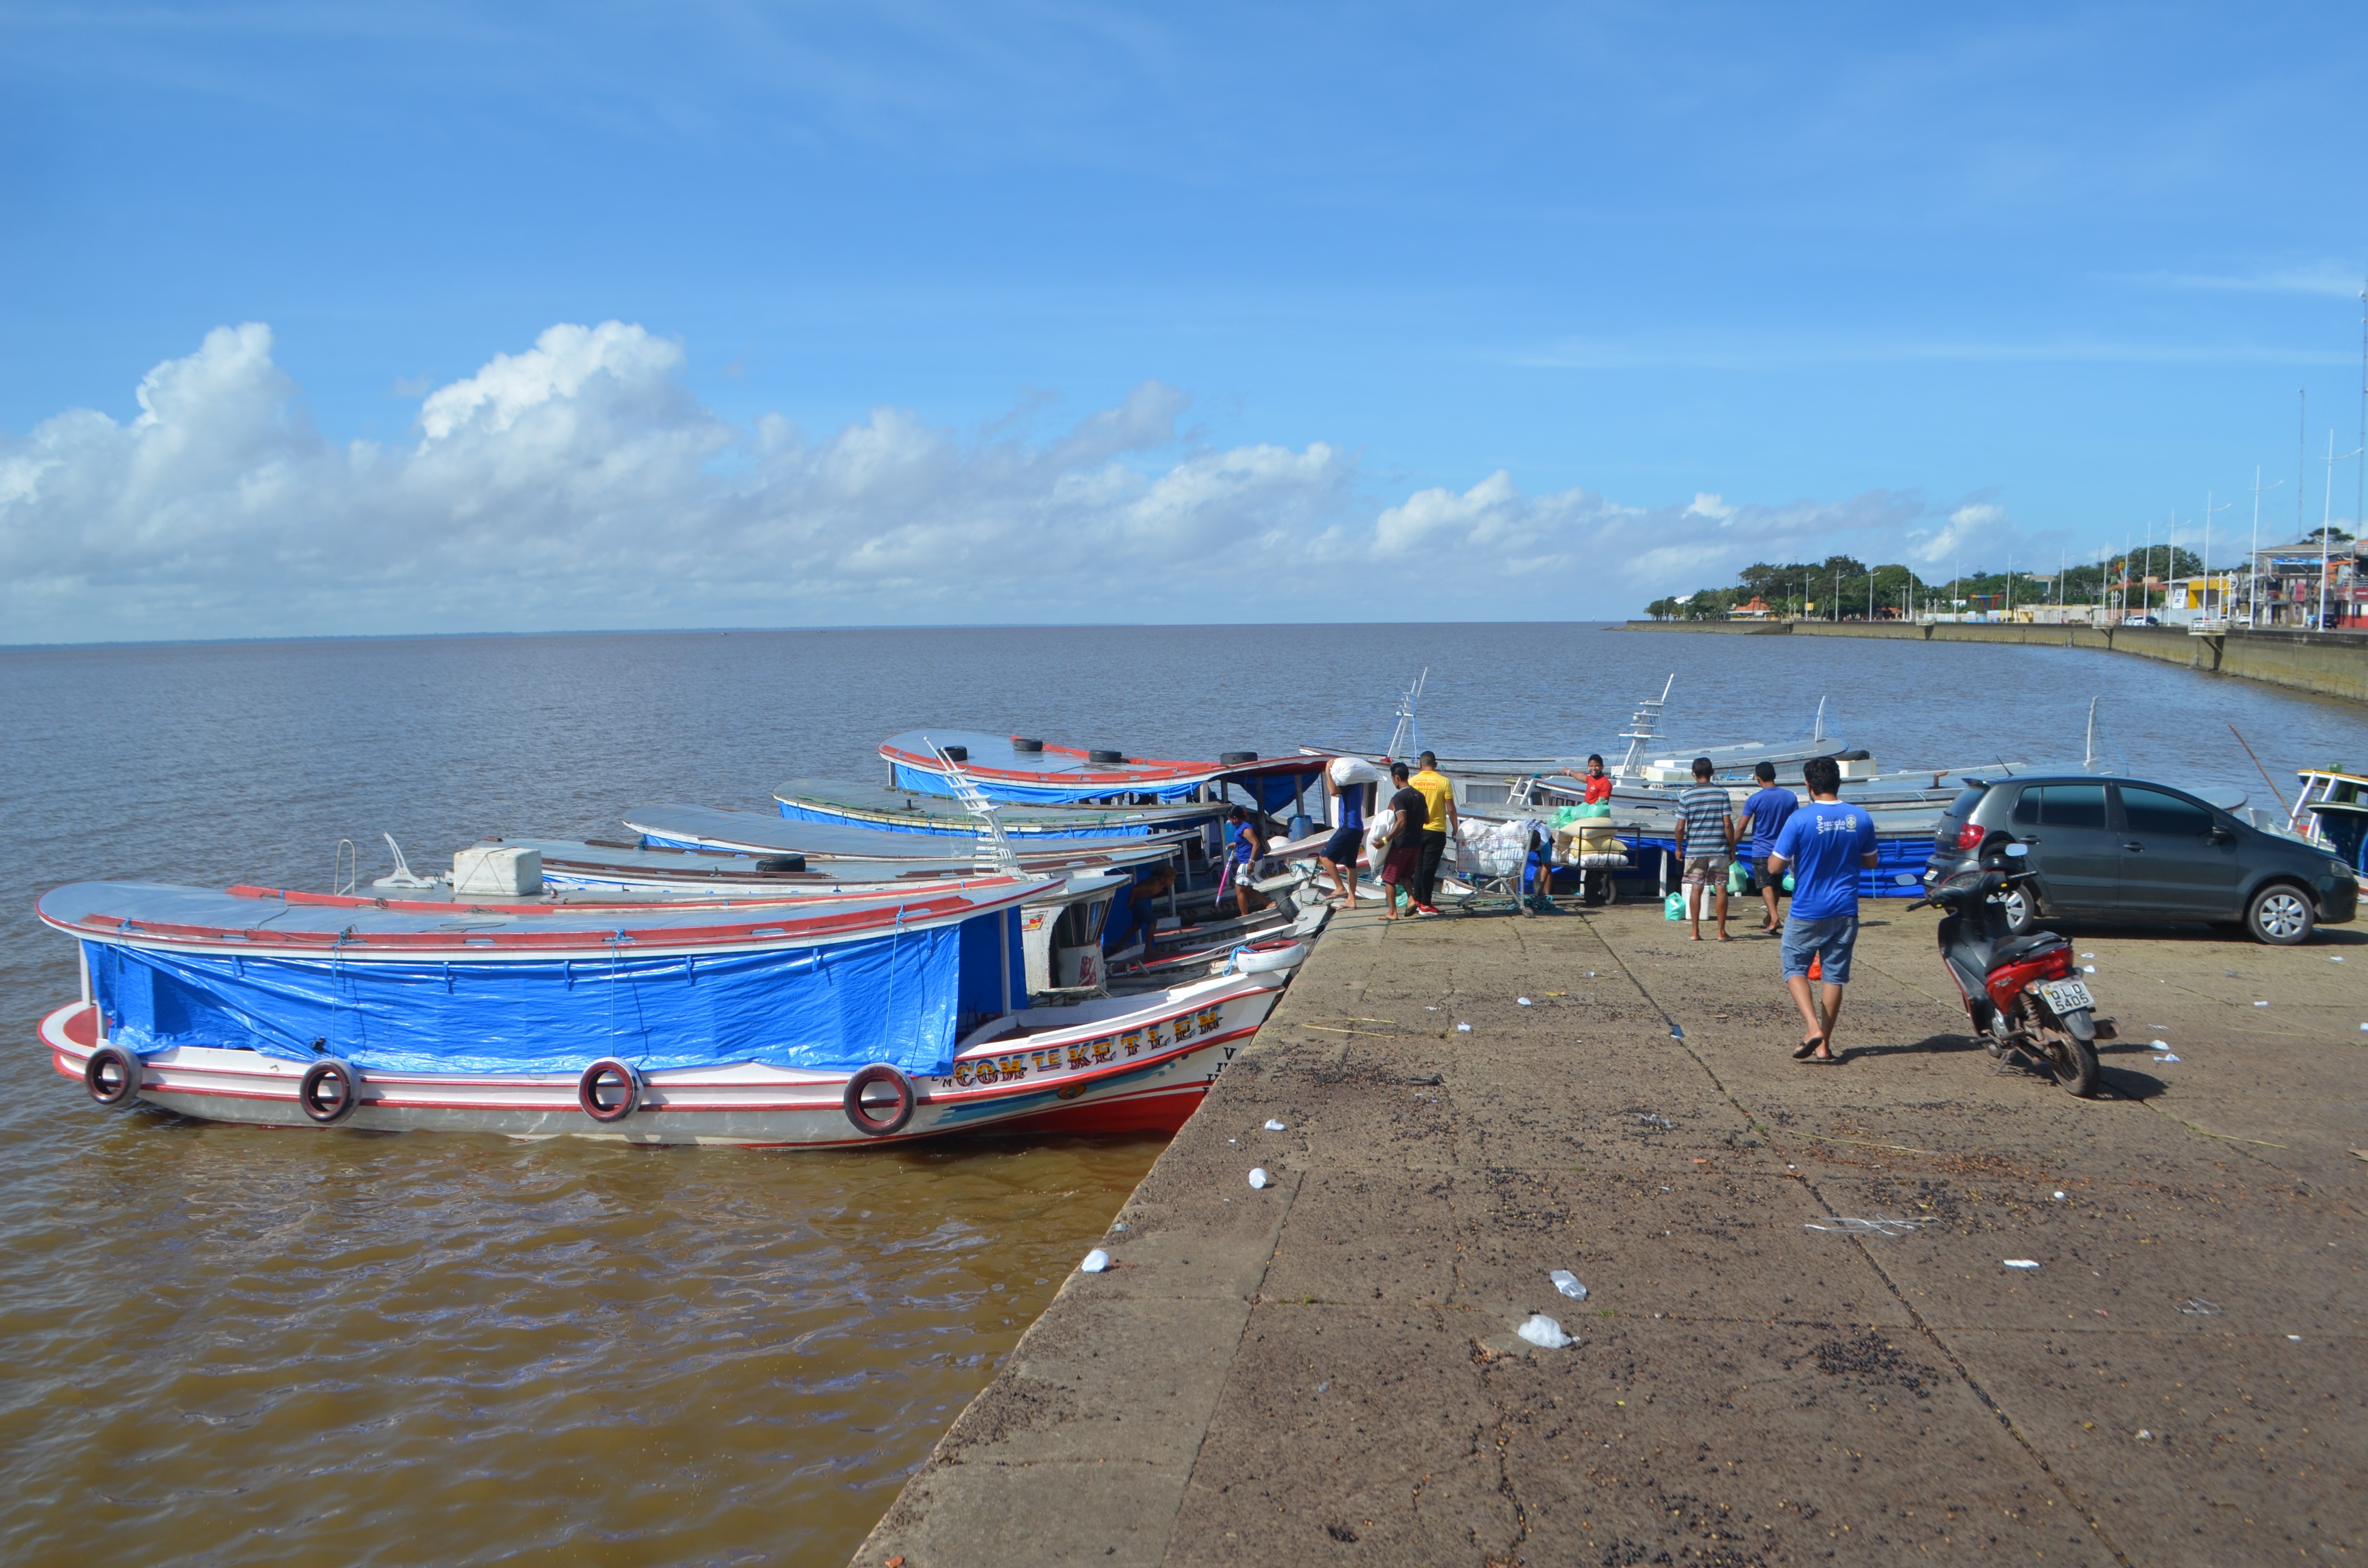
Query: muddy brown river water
{"points": [[225, 1345]]}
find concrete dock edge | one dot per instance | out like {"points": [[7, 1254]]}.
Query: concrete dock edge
{"points": [[2331, 664], [1799, 1343]]}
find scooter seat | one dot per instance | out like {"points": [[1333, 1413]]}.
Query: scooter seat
{"points": [[2015, 949]]}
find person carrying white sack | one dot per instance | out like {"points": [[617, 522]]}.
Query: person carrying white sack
{"points": [[1395, 840], [1345, 787]]}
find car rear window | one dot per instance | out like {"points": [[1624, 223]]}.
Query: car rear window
{"points": [[2164, 815], [2062, 805], [1962, 808]]}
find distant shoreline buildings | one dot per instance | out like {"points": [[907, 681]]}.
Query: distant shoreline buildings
{"points": [[2311, 584]]}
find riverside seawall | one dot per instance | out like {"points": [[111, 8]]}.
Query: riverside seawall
{"points": [[1800, 1342], [2331, 664]]}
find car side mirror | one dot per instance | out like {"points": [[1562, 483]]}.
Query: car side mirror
{"points": [[2221, 833], [2018, 851]]}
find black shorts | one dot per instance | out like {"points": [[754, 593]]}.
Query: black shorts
{"points": [[1342, 847], [1765, 876]]}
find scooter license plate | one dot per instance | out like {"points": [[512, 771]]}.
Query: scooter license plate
{"points": [[2065, 995]]}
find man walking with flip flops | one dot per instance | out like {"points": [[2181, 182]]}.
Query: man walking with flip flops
{"points": [[1705, 844], [1823, 843]]}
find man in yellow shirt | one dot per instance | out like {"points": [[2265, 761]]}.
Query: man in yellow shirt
{"points": [[1439, 799]]}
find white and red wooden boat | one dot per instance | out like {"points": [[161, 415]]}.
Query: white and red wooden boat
{"points": [[1038, 773], [831, 1022]]}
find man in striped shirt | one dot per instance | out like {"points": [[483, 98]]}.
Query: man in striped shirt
{"points": [[1705, 844]]}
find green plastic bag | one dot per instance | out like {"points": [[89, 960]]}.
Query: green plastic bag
{"points": [[1738, 879], [1674, 907], [1598, 809], [1565, 815]]}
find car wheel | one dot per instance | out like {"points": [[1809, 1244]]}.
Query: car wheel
{"points": [[2021, 912], [2281, 916]]}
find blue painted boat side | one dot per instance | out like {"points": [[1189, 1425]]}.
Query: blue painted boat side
{"points": [[1050, 794], [806, 810]]}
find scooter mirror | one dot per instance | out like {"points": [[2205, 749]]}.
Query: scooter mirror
{"points": [[2018, 850]]}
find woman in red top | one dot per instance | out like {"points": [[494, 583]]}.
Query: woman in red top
{"points": [[1599, 784]]}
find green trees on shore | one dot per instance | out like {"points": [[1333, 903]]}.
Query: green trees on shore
{"points": [[1843, 588]]}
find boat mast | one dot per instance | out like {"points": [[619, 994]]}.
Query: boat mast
{"points": [[1642, 725], [2327, 522], [1406, 735], [992, 855], [2253, 582]]}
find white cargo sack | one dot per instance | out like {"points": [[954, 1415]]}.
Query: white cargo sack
{"points": [[1492, 848]]}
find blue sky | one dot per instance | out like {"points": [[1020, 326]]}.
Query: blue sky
{"points": [[981, 313]]}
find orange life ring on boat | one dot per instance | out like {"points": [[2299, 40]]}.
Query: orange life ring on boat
{"points": [[330, 1090], [111, 1074], [609, 1077], [860, 1112]]}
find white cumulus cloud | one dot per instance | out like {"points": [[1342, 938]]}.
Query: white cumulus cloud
{"points": [[580, 484]]}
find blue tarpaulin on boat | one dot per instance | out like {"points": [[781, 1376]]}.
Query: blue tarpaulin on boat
{"points": [[1273, 791], [901, 998]]}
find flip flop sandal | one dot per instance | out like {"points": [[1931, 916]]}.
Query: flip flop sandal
{"points": [[1801, 1053]]}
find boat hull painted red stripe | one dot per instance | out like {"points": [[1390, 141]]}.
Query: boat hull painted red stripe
{"points": [[1118, 1068]]}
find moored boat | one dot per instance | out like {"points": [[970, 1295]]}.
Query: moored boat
{"points": [[923, 812], [834, 1022], [678, 826], [1060, 926], [1034, 772], [2332, 812]]}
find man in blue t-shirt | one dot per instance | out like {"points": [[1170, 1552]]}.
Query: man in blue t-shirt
{"points": [[1338, 856], [1766, 811], [1822, 845]]}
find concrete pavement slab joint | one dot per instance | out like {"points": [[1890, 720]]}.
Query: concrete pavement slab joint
{"points": [[1964, 1372]]}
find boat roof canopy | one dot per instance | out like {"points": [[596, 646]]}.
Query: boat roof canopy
{"points": [[677, 825]]}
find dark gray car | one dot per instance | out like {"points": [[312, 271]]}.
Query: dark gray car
{"points": [[2130, 849]]}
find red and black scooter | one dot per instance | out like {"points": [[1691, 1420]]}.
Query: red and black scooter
{"points": [[2022, 993]]}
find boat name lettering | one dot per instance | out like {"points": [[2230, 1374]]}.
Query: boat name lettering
{"points": [[1084, 1053], [995, 1070]]}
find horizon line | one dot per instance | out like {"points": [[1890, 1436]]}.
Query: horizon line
{"points": [[765, 630]]}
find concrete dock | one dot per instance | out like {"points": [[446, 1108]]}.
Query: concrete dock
{"points": [[2331, 664], [1800, 1342]]}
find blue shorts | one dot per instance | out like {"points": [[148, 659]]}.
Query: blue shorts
{"points": [[1343, 847], [1830, 940]]}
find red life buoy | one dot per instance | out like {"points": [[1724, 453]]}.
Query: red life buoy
{"points": [[861, 1113], [111, 1074], [330, 1090], [609, 1090]]}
